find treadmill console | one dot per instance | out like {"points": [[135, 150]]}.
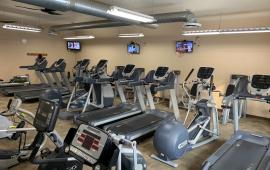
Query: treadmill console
{"points": [[89, 143], [101, 64], [238, 76], [46, 115], [128, 68], [58, 66], [260, 81], [260, 84], [40, 65], [205, 72], [58, 62], [84, 64], [78, 64], [161, 71]]}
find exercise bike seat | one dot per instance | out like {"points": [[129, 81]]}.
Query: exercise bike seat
{"points": [[8, 154]]}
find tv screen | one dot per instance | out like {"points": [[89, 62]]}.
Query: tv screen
{"points": [[184, 46], [133, 48], [73, 45]]}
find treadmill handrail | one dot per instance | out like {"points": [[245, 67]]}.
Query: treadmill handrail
{"points": [[164, 87], [136, 83]]}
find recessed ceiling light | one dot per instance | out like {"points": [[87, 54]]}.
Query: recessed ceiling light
{"points": [[81, 37], [136, 35], [22, 28]]}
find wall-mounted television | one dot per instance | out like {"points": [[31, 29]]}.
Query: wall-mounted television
{"points": [[133, 48], [74, 45], [184, 46]]}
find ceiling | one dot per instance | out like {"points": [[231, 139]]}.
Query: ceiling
{"points": [[201, 8]]}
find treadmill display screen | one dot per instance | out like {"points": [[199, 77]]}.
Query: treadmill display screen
{"points": [[43, 119], [89, 140]]}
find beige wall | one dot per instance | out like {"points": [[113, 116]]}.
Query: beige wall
{"points": [[245, 54], [228, 54], [13, 52]]}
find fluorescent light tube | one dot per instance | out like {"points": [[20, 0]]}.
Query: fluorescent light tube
{"points": [[81, 37], [131, 35], [132, 15], [187, 33], [21, 28], [246, 30], [227, 31]]}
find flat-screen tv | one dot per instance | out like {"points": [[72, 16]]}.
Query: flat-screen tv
{"points": [[74, 45], [133, 48], [184, 46]]}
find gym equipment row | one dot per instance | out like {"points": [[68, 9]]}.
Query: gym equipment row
{"points": [[106, 133]]}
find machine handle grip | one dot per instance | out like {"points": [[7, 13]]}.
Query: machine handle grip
{"points": [[105, 80], [211, 84], [189, 74], [165, 87], [9, 103], [54, 160], [136, 83]]}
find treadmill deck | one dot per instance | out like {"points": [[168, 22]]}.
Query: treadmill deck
{"points": [[32, 87], [106, 115], [243, 151], [236, 151], [138, 126], [35, 94]]}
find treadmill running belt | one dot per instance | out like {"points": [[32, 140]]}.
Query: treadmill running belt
{"points": [[131, 126], [101, 114], [29, 94], [242, 155]]}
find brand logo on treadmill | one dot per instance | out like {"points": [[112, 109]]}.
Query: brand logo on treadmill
{"points": [[251, 167], [74, 167]]}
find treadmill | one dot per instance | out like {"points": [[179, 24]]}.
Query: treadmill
{"points": [[76, 99], [85, 96], [244, 151], [20, 80], [146, 123], [123, 110], [38, 67], [57, 67]]}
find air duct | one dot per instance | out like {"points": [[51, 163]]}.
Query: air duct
{"points": [[82, 6], [183, 16]]}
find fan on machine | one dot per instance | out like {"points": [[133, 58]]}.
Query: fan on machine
{"points": [[45, 10]]}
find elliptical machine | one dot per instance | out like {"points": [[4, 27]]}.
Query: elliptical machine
{"points": [[44, 122], [79, 92], [236, 85], [172, 140]]}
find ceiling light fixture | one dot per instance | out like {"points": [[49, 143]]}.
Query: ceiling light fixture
{"points": [[132, 15], [21, 28], [227, 31], [131, 35], [81, 37]]}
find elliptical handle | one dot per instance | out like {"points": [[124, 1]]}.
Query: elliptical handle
{"points": [[189, 74], [9, 103], [211, 84]]}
